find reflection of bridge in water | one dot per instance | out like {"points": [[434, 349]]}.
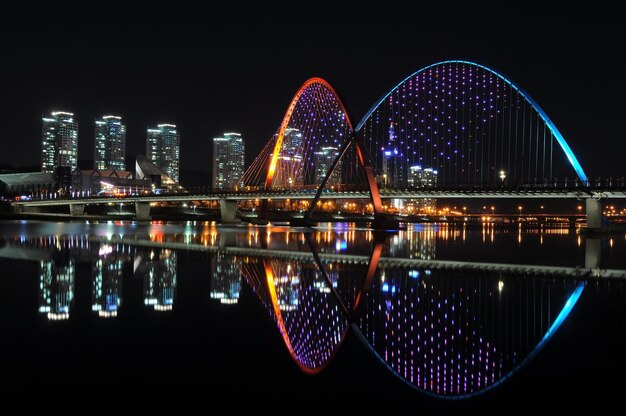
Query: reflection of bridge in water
{"points": [[454, 129], [447, 328]]}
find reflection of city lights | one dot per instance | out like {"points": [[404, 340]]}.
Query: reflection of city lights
{"points": [[500, 286], [105, 249], [58, 316]]}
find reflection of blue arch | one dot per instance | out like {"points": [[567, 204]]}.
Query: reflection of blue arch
{"points": [[559, 137], [563, 314]]}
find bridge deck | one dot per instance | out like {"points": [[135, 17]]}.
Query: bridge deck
{"points": [[447, 193]]}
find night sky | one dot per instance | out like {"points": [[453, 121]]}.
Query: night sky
{"points": [[221, 71]]}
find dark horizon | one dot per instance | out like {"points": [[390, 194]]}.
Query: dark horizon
{"points": [[218, 73]]}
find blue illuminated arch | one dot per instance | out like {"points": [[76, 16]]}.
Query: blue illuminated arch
{"points": [[561, 317], [555, 131]]}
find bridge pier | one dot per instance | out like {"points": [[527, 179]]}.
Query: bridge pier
{"points": [[142, 211], [300, 222], [227, 240], [593, 210], [385, 222], [592, 253], [228, 211], [77, 210]]}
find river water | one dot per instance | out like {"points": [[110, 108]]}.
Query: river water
{"points": [[436, 316]]}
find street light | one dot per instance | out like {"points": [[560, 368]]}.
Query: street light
{"points": [[502, 175], [520, 210], [493, 210]]}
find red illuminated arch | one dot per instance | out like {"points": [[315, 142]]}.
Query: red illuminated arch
{"points": [[285, 123]]}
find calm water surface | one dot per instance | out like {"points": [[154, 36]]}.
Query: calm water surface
{"points": [[437, 316]]}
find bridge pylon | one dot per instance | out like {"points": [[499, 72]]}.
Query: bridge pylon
{"points": [[228, 211]]}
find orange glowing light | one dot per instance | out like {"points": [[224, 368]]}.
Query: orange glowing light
{"points": [[285, 123], [269, 273]]}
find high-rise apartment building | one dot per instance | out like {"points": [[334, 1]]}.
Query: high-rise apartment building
{"points": [[324, 159], [163, 149], [110, 146], [290, 160], [423, 178], [228, 160], [59, 141]]}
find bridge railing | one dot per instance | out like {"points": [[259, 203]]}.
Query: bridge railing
{"points": [[556, 184]]}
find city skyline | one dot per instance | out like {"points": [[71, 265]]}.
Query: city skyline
{"points": [[60, 141], [203, 88]]}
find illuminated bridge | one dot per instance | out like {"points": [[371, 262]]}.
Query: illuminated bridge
{"points": [[454, 129]]}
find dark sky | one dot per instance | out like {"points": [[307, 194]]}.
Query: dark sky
{"points": [[217, 71]]}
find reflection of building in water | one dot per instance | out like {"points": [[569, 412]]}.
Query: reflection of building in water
{"points": [[56, 288], [420, 246], [288, 286], [321, 284], [225, 278], [159, 279], [456, 333], [106, 295]]}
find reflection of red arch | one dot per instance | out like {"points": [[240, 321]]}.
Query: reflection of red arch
{"points": [[285, 123], [372, 266], [271, 289], [269, 273]]}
